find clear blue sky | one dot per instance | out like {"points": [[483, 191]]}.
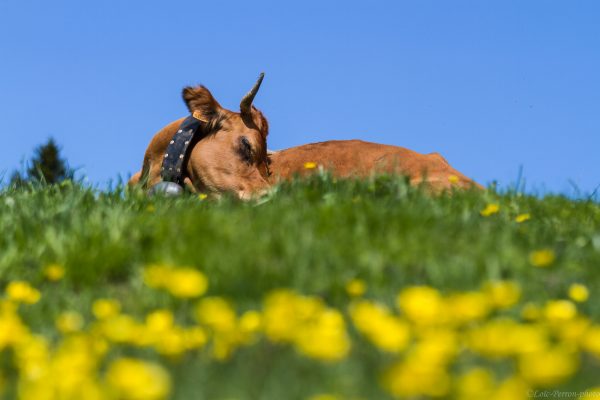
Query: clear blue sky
{"points": [[491, 85]]}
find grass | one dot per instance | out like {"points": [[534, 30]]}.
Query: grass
{"points": [[312, 236]]}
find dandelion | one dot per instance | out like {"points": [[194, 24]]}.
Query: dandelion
{"points": [[180, 282], [21, 291], [54, 272], [549, 367], [386, 331], [578, 292], [310, 165], [502, 294], [542, 258], [522, 218], [356, 287], [422, 304], [490, 209], [469, 306], [477, 383], [202, 196], [69, 322], [106, 308], [134, 379], [186, 282], [559, 311], [531, 312], [453, 179]]}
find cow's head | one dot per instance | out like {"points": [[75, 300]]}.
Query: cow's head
{"points": [[232, 156]]}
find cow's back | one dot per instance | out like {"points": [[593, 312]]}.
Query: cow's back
{"points": [[356, 158]]}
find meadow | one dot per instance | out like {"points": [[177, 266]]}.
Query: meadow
{"points": [[327, 290]]}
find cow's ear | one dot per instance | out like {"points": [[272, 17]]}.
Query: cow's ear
{"points": [[200, 102]]}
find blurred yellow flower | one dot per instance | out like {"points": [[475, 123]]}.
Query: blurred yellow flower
{"points": [[413, 378], [522, 218], [549, 367], [356, 287], [310, 165], [468, 306], [558, 311], [106, 308], [490, 209], [54, 272], [133, 379], [422, 305], [21, 291], [202, 196], [304, 321], [186, 282], [378, 325], [542, 258], [590, 394], [475, 384], [183, 282], [505, 337], [531, 312], [578, 292], [590, 341], [502, 294], [69, 322], [453, 179]]}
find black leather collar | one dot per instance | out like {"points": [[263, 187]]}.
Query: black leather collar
{"points": [[177, 153]]}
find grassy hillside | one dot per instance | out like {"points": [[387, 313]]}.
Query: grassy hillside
{"points": [[329, 290]]}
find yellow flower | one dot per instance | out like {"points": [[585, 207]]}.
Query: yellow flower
{"points": [[155, 276], [522, 218], [69, 322], [160, 320], [310, 165], [180, 282], [325, 337], [549, 367], [531, 312], [106, 308], [202, 196], [186, 282], [384, 330], [54, 272], [542, 258], [505, 337], [590, 341], [21, 291], [590, 394], [412, 378], [121, 328], [490, 209], [559, 311], [422, 305], [315, 330], [578, 292], [502, 294], [476, 384], [133, 379], [453, 179], [356, 287], [468, 306]]}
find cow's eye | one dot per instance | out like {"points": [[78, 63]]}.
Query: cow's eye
{"points": [[245, 150]]}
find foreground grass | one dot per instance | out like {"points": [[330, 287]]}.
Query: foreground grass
{"points": [[322, 240]]}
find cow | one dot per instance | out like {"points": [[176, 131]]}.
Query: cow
{"points": [[232, 156]]}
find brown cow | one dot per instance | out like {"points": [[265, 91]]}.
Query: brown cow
{"points": [[232, 155]]}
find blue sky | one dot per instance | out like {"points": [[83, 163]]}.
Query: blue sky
{"points": [[491, 85]]}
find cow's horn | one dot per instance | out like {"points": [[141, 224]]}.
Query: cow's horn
{"points": [[246, 104]]}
